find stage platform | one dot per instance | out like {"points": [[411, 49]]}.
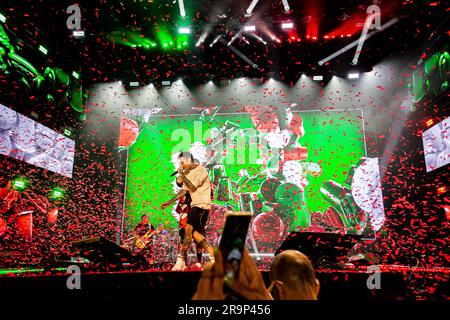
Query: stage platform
{"points": [[397, 283]]}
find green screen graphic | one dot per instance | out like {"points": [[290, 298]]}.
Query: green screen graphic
{"points": [[334, 142]]}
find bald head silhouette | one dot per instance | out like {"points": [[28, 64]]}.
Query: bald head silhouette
{"points": [[294, 276]]}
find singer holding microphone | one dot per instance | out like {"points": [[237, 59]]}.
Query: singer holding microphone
{"points": [[195, 180]]}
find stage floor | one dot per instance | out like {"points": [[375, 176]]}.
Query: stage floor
{"points": [[396, 283]]}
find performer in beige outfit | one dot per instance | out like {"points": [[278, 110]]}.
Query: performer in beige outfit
{"points": [[195, 179]]}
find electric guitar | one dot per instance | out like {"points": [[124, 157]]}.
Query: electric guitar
{"points": [[141, 242]]}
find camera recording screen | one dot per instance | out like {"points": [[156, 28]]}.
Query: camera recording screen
{"points": [[233, 241]]}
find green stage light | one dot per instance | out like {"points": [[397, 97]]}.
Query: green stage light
{"points": [[20, 183], [2, 18], [153, 44], [184, 30], [43, 49], [75, 75], [57, 194], [67, 132], [165, 45]]}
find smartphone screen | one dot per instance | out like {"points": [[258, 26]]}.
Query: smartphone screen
{"points": [[233, 242]]}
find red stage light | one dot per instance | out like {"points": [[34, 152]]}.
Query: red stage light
{"points": [[447, 212], [442, 190], [430, 122]]}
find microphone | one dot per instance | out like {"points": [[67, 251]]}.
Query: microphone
{"points": [[174, 173]]}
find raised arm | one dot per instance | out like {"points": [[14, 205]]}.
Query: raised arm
{"points": [[180, 194]]}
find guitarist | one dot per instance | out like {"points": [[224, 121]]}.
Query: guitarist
{"points": [[141, 229]]}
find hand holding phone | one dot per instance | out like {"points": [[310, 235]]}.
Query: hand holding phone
{"points": [[233, 242]]}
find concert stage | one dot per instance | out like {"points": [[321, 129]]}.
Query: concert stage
{"points": [[396, 283]]}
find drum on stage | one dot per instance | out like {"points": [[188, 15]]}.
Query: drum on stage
{"points": [[268, 188], [224, 190], [292, 206], [250, 202], [289, 195], [216, 173]]}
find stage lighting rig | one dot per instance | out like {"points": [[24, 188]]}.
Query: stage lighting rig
{"points": [[250, 9]]}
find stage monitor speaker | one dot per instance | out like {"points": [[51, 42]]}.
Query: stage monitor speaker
{"points": [[322, 248], [106, 254]]}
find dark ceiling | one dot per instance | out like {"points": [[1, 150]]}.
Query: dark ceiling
{"points": [[100, 57]]}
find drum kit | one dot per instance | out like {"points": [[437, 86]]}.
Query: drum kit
{"points": [[258, 194]]}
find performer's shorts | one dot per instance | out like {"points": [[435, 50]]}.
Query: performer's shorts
{"points": [[198, 218]]}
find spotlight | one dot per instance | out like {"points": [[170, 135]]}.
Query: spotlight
{"points": [[237, 35], [215, 41], [79, 34], [270, 80], [249, 28], [221, 14], [287, 25], [165, 83], [184, 30], [441, 190], [67, 132], [182, 10], [201, 39], [57, 194], [75, 75], [317, 78], [251, 7], [210, 82], [286, 6], [258, 38], [429, 122], [134, 84], [2, 18], [20, 183], [43, 49], [447, 212], [354, 75]]}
